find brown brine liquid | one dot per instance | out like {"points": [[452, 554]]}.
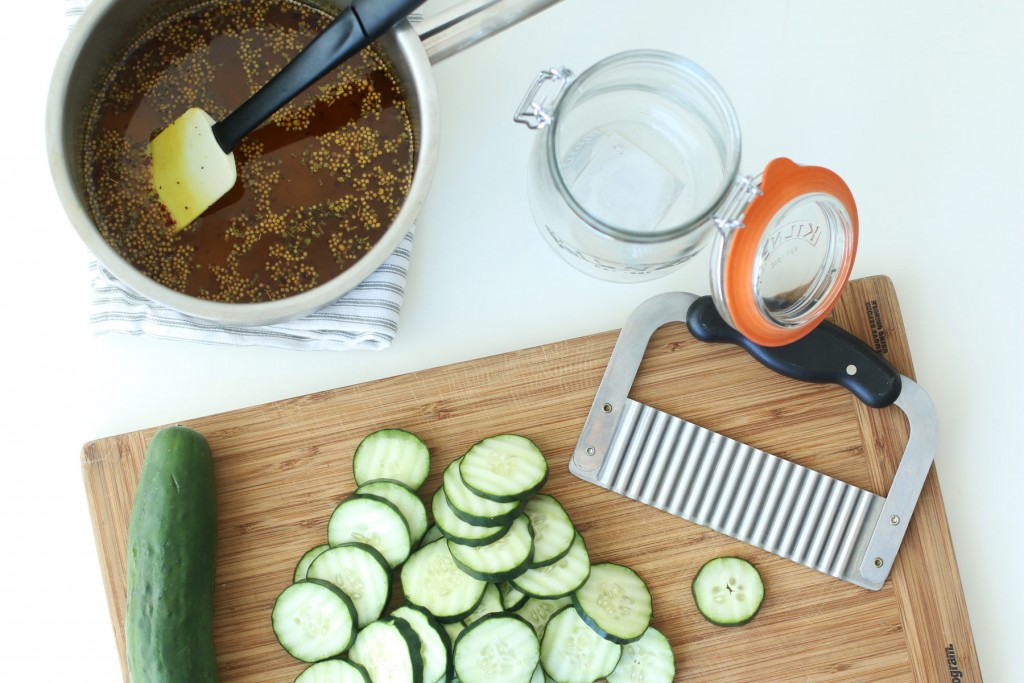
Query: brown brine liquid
{"points": [[318, 183]]}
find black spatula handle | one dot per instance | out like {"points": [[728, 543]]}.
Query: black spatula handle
{"points": [[828, 354], [355, 28]]}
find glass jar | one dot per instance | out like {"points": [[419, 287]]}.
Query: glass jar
{"points": [[632, 158], [635, 169]]}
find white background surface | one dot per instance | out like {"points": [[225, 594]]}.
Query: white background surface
{"points": [[919, 105]]}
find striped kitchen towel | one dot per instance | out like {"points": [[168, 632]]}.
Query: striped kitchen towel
{"points": [[365, 318]]}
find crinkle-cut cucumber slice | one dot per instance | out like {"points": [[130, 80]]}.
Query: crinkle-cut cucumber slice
{"points": [[649, 659], [361, 572], [538, 611], [457, 530], [615, 602], [306, 560], [511, 597], [505, 468], [334, 671], [489, 604], [374, 521], [391, 454], [432, 580], [433, 533], [502, 559], [553, 531], [560, 578], [453, 629], [389, 651], [500, 648], [405, 499], [572, 652], [728, 591], [434, 643], [472, 508], [314, 620]]}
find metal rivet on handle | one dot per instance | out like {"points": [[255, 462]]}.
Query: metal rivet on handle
{"points": [[591, 450], [607, 407], [894, 520], [851, 370], [879, 562]]}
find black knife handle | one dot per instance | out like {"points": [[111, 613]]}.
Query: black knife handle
{"points": [[828, 354]]}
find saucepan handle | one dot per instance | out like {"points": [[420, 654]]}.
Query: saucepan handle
{"points": [[377, 16], [471, 21], [828, 354]]}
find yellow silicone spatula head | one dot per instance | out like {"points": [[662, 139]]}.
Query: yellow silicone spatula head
{"points": [[192, 162], [190, 170]]}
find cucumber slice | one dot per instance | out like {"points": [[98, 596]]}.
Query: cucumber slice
{"points": [[307, 559], [334, 671], [457, 530], [433, 533], [432, 580], [538, 611], [471, 508], [403, 498], [511, 597], [728, 591], [553, 532], [649, 659], [500, 648], [489, 604], [374, 521], [391, 454], [615, 603], [389, 651], [314, 620], [504, 468], [434, 643], [572, 652], [559, 579], [453, 630], [500, 560], [361, 573]]}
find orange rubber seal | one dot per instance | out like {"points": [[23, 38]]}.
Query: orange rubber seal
{"points": [[783, 181]]}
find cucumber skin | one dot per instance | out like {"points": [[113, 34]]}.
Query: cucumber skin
{"points": [[172, 538]]}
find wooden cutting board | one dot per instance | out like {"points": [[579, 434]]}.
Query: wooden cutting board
{"points": [[282, 467]]}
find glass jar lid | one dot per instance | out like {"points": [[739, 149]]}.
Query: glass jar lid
{"points": [[783, 258]]}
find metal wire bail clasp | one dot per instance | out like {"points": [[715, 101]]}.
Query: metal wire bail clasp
{"points": [[538, 105], [744, 191]]}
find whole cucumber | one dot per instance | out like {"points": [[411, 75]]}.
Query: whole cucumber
{"points": [[172, 538]]}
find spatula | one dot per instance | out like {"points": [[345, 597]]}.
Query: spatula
{"points": [[192, 161]]}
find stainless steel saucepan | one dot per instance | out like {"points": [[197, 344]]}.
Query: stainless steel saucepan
{"points": [[101, 33]]}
